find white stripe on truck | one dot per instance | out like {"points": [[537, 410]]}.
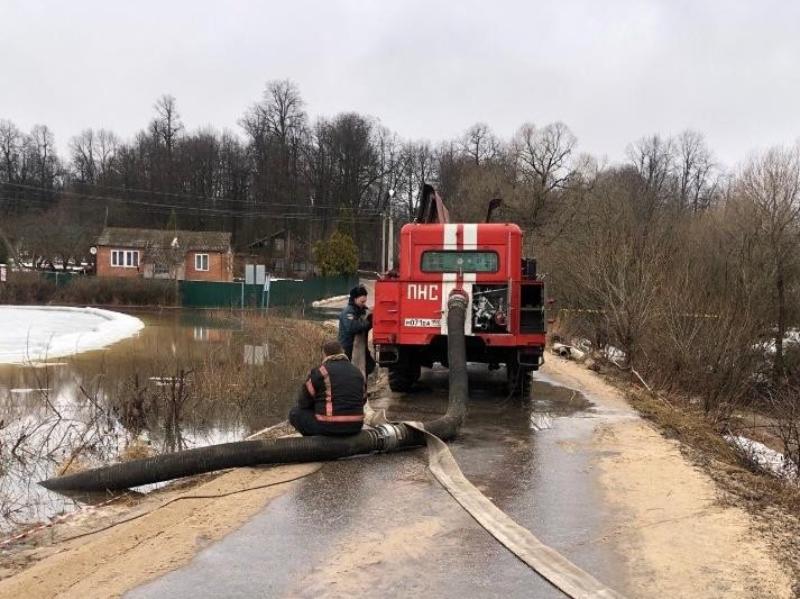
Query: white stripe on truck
{"points": [[449, 242], [470, 243]]}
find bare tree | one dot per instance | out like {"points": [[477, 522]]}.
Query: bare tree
{"points": [[84, 161], [479, 144], [654, 159], [695, 169], [167, 123], [544, 159], [10, 151], [770, 187], [42, 156], [416, 166]]}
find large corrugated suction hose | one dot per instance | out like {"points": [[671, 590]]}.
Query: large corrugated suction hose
{"points": [[293, 449]]}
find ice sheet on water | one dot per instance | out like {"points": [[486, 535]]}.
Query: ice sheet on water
{"points": [[37, 333]]}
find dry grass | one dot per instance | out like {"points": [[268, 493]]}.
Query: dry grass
{"points": [[248, 380], [136, 450]]}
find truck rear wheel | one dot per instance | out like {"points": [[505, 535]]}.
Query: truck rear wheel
{"points": [[404, 374], [519, 379]]}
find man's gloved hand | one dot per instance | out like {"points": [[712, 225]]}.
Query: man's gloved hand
{"points": [[369, 320]]}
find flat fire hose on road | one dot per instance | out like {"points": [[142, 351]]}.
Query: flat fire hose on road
{"points": [[544, 560]]}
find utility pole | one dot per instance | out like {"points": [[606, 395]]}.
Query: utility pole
{"points": [[383, 242], [390, 249]]}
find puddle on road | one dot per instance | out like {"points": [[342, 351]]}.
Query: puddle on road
{"points": [[489, 401]]}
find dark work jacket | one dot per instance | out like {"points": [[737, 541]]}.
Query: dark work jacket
{"points": [[337, 392], [350, 325]]}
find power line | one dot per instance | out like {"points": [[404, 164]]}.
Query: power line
{"points": [[234, 215], [176, 194], [363, 215], [160, 193]]}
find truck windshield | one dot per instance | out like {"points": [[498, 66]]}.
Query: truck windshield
{"points": [[459, 261]]}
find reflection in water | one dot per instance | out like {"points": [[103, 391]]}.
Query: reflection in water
{"points": [[541, 421], [189, 379]]}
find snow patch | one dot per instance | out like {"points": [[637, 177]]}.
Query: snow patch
{"points": [[37, 333], [338, 299], [765, 458], [792, 337]]}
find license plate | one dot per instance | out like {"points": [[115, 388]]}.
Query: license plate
{"points": [[428, 323]]}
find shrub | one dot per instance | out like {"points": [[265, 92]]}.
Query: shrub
{"points": [[121, 292], [337, 255], [26, 288], [33, 288]]}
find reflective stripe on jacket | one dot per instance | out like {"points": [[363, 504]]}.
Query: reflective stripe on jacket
{"points": [[337, 391]]}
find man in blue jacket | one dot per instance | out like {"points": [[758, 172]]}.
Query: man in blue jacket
{"points": [[354, 321], [331, 402]]}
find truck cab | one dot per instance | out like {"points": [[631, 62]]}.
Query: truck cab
{"points": [[505, 319]]}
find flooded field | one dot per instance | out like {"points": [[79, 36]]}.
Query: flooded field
{"points": [[187, 379]]}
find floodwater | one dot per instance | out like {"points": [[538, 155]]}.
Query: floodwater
{"points": [[382, 525], [135, 396]]}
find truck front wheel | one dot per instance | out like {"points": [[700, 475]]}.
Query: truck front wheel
{"points": [[404, 374]]}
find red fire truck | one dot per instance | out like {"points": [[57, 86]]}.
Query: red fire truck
{"points": [[505, 318]]}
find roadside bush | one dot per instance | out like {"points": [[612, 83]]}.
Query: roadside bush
{"points": [[26, 288], [784, 408], [118, 292], [32, 288]]}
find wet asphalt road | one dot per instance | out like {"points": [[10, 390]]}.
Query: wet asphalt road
{"points": [[383, 525]]}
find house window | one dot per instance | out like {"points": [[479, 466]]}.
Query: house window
{"points": [[299, 266], [278, 264], [201, 261], [125, 258], [278, 244]]}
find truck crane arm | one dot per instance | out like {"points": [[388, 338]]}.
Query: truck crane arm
{"points": [[431, 207]]}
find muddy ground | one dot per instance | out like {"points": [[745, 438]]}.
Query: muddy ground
{"points": [[577, 466]]}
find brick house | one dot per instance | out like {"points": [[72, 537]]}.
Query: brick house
{"points": [[284, 253], [158, 254]]}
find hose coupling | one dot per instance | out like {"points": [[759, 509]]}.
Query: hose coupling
{"points": [[390, 436], [458, 299]]}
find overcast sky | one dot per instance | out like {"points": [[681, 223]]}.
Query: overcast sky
{"points": [[613, 71]]}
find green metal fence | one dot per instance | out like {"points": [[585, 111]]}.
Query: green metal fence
{"points": [[59, 278], [283, 292]]}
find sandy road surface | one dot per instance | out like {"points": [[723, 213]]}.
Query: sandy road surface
{"points": [[678, 540]]}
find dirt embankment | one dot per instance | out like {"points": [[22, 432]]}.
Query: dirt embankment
{"points": [[685, 538], [111, 562]]}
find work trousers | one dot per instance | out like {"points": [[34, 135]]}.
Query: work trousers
{"points": [[307, 424]]}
